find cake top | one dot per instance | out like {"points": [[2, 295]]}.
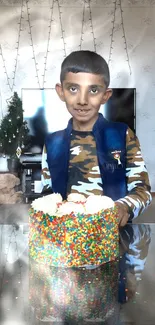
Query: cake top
{"points": [[54, 205]]}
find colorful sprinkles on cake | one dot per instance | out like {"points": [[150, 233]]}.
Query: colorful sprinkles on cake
{"points": [[74, 239]]}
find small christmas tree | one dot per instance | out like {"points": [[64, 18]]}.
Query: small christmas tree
{"points": [[13, 130]]}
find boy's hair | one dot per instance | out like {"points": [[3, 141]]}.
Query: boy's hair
{"points": [[85, 61]]}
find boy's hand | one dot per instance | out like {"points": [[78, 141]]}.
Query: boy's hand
{"points": [[122, 213]]}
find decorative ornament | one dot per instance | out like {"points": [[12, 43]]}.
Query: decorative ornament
{"points": [[14, 136], [10, 120], [116, 155], [23, 146], [18, 152], [17, 131], [18, 117], [9, 140]]}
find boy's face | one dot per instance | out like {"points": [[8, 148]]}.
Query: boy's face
{"points": [[83, 94]]}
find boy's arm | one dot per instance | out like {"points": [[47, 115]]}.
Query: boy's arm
{"points": [[45, 173], [138, 186]]}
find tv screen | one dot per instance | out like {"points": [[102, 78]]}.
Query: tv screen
{"points": [[121, 107], [45, 113]]}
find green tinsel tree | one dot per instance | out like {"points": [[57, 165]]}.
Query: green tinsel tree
{"points": [[13, 130]]}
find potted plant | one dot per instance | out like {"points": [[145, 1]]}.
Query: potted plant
{"points": [[13, 133]]}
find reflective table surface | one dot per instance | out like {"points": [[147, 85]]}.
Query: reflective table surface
{"points": [[121, 292]]}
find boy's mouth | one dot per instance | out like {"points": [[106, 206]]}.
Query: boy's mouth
{"points": [[82, 110]]}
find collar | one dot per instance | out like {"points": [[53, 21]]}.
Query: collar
{"points": [[101, 121]]}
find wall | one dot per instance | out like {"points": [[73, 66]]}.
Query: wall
{"points": [[35, 36]]}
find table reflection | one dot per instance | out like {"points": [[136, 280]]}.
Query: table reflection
{"points": [[82, 295]]}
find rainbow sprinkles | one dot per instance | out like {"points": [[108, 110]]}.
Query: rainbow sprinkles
{"points": [[77, 232]]}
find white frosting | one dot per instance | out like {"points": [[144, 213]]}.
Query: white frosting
{"points": [[70, 207], [75, 197], [55, 197], [44, 205], [96, 203], [47, 204], [53, 204]]}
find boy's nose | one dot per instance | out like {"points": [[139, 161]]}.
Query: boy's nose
{"points": [[83, 98]]}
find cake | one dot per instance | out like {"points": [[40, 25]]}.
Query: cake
{"points": [[73, 233]]}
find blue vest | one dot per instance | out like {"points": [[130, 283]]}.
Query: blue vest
{"points": [[109, 137]]}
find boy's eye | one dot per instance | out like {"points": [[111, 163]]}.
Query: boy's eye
{"points": [[73, 89], [94, 90]]}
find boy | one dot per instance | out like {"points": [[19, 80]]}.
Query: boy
{"points": [[93, 155]]}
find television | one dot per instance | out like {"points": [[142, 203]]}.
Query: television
{"points": [[121, 107], [45, 113]]}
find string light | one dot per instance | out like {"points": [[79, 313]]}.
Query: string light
{"points": [[62, 30], [83, 19], [4, 66], [91, 25], [123, 30], [32, 44], [112, 33], [48, 42], [17, 53], [31, 39], [124, 36]]}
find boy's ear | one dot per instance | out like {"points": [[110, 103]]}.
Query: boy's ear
{"points": [[107, 95], [59, 90]]}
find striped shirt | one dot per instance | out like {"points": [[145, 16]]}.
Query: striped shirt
{"points": [[84, 174]]}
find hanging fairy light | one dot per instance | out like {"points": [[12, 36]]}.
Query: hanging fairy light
{"points": [[5, 69], [31, 39], [32, 43], [91, 24], [62, 29], [11, 86], [118, 2], [124, 36], [112, 32], [82, 26], [48, 42]]}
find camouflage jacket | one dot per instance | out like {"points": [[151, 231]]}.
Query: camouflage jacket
{"points": [[117, 161]]}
